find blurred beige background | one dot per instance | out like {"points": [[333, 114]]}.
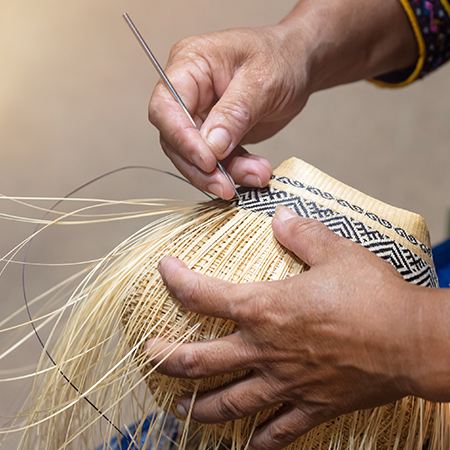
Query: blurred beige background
{"points": [[74, 87]]}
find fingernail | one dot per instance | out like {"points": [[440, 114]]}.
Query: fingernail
{"points": [[283, 213], [216, 189], [182, 408], [252, 180], [220, 139], [199, 161]]}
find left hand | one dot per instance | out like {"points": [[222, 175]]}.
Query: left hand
{"points": [[329, 341]]}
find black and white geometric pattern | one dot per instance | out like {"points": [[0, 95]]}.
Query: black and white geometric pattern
{"points": [[344, 203], [413, 268]]}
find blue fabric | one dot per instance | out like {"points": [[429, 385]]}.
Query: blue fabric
{"points": [[441, 256], [126, 443]]}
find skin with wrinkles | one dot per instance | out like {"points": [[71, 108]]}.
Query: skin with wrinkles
{"points": [[349, 333], [203, 85], [244, 85], [332, 340]]}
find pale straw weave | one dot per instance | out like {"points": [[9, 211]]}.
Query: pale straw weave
{"points": [[126, 298], [236, 244]]}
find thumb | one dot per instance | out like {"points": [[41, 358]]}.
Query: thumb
{"points": [[244, 102], [309, 239]]}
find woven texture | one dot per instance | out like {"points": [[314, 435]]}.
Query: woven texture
{"points": [[235, 243]]}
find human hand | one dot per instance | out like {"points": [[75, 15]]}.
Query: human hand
{"points": [[240, 86], [337, 338], [244, 85]]}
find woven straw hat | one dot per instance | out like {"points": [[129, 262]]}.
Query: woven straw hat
{"points": [[235, 243], [126, 298]]}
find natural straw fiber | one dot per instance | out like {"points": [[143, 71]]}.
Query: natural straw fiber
{"points": [[126, 298]]}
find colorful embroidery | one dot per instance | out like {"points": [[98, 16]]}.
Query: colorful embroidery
{"points": [[430, 20], [434, 21]]}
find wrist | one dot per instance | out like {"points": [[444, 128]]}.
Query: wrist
{"points": [[351, 40]]}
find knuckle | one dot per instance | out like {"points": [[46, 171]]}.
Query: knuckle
{"points": [[308, 226], [246, 310], [177, 48], [165, 146], [191, 364], [178, 139], [191, 50], [159, 104], [179, 142], [182, 46], [185, 294], [281, 434], [230, 408], [267, 302], [238, 113], [153, 111], [194, 291], [201, 291], [320, 238], [262, 78]]}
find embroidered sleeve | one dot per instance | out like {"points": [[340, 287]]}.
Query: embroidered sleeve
{"points": [[430, 20]]}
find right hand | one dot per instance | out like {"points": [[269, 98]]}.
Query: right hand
{"points": [[240, 86], [246, 84]]}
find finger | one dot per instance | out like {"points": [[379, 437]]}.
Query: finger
{"points": [[265, 130], [196, 360], [241, 399], [247, 169], [214, 182], [207, 295], [309, 239], [238, 109], [285, 428], [244, 168], [172, 122]]}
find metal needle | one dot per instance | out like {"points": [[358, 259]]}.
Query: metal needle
{"points": [[172, 89]]}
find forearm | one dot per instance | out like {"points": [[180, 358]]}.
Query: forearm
{"points": [[350, 40]]}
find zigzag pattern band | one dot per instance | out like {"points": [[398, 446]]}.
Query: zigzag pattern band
{"points": [[413, 268]]}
